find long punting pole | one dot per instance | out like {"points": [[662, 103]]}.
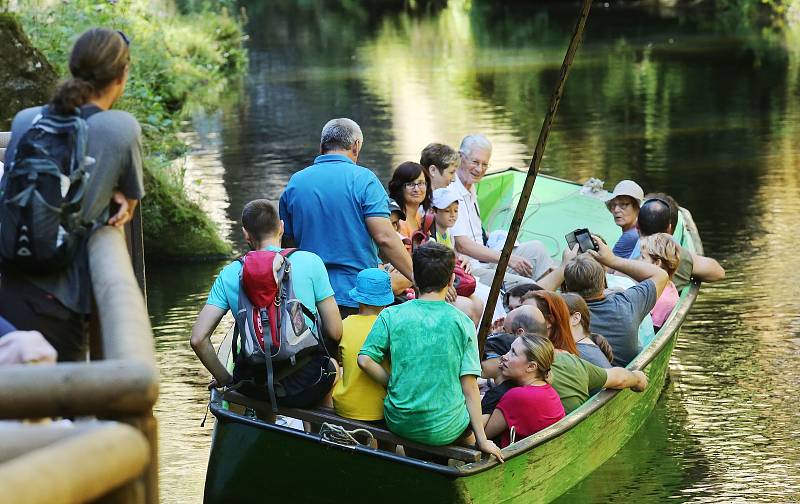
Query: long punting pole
{"points": [[533, 171]]}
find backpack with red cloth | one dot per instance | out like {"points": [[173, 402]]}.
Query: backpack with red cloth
{"points": [[464, 283], [270, 319]]}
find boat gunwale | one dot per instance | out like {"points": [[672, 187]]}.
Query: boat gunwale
{"points": [[552, 432]]}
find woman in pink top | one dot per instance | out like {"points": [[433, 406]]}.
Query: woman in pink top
{"points": [[660, 249], [534, 404]]}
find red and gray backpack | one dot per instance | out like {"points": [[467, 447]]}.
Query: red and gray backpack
{"points": [[270, 319]]}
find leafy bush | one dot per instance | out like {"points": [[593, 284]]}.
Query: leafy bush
{"points": [[179, 61]]}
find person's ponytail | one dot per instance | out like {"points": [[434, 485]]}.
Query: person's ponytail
{"points": [[604, 345], [71, 94], [98, 58]]}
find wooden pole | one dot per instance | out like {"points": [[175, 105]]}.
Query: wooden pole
{"points": [[533, 171]]}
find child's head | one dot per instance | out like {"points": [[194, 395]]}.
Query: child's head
{"points": [[433, 267], [660, 249], [440, 161], [396, 214], [445, 207], [373, 288], [260, 221]]}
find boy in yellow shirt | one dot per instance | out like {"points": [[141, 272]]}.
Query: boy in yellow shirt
{"points": [[356, 395]]}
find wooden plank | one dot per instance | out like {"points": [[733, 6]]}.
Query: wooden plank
{"points": [[323, 415]]}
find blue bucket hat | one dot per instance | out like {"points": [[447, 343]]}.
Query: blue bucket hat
{"points": [[373, 287]]}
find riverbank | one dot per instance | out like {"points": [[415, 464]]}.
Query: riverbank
{"points": [[180, 61]]}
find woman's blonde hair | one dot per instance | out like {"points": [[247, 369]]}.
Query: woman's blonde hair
{"points": [[661, 246], [541, 351]]}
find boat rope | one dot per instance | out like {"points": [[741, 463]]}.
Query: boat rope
{"points": [[339, 435]]}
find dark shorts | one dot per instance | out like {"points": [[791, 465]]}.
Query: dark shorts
{"points": [[303, 388], [346, 311], [29, 308]]}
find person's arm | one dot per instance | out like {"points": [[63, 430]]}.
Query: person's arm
{"points": [[392, 248], [706, 269], [469, 386], [553, 280], [490, 368], [207, 321], [374, 370], [638, 270], [621, 378], [331, 318], [495, 424], [466, 246]]}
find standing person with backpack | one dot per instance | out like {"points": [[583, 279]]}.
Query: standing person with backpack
{"points": [[67, 164], [300, 372]]}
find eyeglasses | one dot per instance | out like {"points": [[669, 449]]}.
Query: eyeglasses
{"points": [[476, 163], [415, 184], [622, 205], [124, 38]]}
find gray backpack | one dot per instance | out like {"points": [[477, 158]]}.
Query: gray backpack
{"points": [[270, 322]]}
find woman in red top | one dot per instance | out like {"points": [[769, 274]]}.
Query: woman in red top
{"points": [[534, 404]]}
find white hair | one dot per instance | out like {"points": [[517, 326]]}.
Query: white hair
{"points": [[472, 142], [340, 134]]}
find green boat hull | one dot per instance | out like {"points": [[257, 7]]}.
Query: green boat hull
{"points": [[252, 461]]}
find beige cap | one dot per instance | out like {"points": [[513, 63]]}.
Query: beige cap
{"points": [[627, 188]]}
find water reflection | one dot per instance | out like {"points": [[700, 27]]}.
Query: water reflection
{"points": [[711, 119]]}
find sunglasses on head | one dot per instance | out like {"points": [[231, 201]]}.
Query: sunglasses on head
{"points": [[663, 202], [124, 38]]}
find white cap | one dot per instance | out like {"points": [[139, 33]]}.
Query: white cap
{"points": [[443, 198], [628, 188]]}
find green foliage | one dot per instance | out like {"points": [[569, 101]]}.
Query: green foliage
{"points": [[178, 62]]}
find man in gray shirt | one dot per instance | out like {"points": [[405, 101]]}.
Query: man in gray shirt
{"points": [[615, 315]]}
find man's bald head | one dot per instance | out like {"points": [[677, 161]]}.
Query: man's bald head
{"points": [[525, 319]]}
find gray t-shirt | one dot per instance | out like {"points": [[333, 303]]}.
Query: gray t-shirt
{"points": [[115, 142], [618, 315], [593, 354]]}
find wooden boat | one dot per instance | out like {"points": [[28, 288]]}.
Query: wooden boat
{"points": [[254, 461]]}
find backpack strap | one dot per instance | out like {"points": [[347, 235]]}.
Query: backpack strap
{"points": [[270, 374], [427, 222]]}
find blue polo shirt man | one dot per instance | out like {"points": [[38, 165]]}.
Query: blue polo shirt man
{"points": [[340, 211], [324, 208]]}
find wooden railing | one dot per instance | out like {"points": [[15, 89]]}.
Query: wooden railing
{"points": [[112, 455]]}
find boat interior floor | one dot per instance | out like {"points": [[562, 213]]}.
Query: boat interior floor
{"points": [[449, 454]]}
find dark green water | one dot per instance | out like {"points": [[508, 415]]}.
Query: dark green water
{"points": [[712, 119]]}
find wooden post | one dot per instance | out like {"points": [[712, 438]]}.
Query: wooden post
{"points": [[533, 171], [134, 237]]}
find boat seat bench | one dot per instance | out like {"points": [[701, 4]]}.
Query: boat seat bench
{"points": [[327, 415]]}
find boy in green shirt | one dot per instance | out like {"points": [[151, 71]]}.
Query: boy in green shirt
{"points": [[432, 393]]}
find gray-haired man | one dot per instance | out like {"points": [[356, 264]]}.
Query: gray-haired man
{"points": [[529, 261], [340, 211]]}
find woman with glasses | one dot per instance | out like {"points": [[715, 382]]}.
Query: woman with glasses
{"points": [[624, 205], [57, 304], [409, 188]]}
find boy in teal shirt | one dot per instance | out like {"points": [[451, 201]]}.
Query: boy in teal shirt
{"points": [[432, 393]]}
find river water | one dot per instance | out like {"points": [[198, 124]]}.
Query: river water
{"points": [[677, 103]]}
